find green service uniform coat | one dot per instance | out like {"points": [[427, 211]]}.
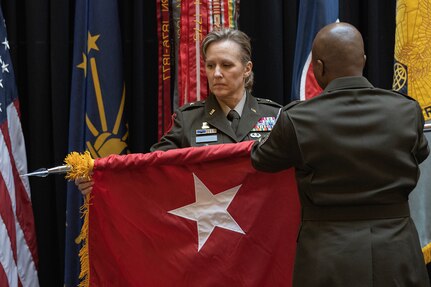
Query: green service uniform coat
{"points": [[356, 151], [204, 123]]}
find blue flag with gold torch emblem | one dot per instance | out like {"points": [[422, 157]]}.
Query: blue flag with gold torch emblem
{"points": [[97, 120]]}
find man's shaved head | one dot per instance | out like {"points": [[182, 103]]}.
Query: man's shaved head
{"points": [[338, 51]]}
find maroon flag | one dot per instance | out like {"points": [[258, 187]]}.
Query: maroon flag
{"points": [[182, 25], [191, 217]]}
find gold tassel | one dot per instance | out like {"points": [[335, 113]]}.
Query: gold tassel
{"points": [[84, 275], [82, 165], [427, 253]]}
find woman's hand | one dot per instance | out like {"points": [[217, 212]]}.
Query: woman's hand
{"points": [[84, 185]]}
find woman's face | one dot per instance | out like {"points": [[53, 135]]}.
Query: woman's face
{"points": [[225, 72]]}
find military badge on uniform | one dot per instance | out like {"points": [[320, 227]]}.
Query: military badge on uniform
{"points": [[255, 135], [206, 134], [264, 124]]}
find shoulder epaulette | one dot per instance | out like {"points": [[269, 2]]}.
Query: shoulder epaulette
{"points": [[193, 105], [268, 102], [290, 105], [404, 95]]}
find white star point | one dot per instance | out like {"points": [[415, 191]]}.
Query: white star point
{"points": [[4, 67], [6, 44], [209, 211]]}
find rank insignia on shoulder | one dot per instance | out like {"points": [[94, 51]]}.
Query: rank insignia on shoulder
{"points": [[206, 131], [264, 124]]}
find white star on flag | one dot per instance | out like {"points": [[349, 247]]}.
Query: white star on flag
{"points": [[6, 44], [1, 83], [209, 211], [4, 67]]}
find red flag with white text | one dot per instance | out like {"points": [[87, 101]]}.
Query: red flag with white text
{"points": [[191, 217]]}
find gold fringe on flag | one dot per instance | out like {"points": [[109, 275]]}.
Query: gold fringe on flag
{"points": [[84, 275], [81, 167], [427, 253]]}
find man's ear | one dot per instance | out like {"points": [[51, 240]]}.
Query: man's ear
{"points": [[320, 66], [319, 72]]}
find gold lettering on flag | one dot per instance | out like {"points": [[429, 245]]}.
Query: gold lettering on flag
{"points": [[182, 25], [165, 43]]}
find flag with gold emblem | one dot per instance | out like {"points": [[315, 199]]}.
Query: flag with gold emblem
{"points": [[97, 120], [412, 76], [412, 67]]}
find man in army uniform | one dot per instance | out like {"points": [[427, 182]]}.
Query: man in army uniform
{"points": [[356, 150]]}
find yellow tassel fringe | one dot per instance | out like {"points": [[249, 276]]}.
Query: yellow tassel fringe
{"points": [[84, 275], [81, 165], [427, 253]]}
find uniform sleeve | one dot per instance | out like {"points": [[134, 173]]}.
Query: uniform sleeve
{"points": [[174, 138], [422, 149], [279, 150]]}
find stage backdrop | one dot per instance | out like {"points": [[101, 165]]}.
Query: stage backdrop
{"points": [[41, 42]]}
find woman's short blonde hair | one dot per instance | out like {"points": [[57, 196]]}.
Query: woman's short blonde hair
{"points": [[238, 37]]}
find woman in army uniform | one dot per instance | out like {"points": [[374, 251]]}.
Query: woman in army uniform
{"points": [[230, 114]]}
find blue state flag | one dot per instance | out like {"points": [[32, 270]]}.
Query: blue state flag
{"points": [[97, 120], [313, 15]]}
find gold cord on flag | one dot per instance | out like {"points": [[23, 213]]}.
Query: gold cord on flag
{"points": [[82, 165]]}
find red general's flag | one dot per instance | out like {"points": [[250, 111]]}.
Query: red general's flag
{"points": [[191, 217]]}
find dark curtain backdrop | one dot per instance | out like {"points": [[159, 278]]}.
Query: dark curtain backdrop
{"points": [[41, 40]]}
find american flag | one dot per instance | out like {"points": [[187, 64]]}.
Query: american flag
{"points": [[18, 250]]}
